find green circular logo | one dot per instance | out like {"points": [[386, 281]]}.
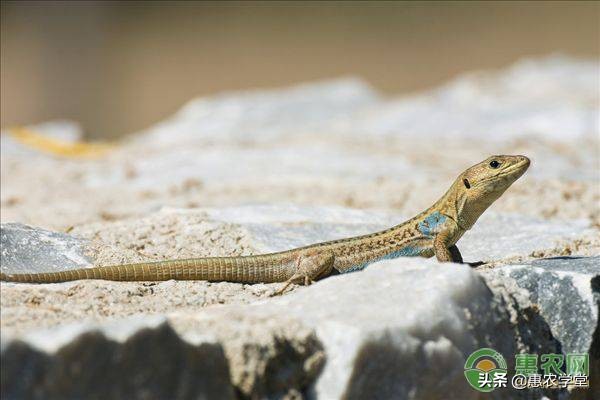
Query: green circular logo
{"points": [[486, 370]]}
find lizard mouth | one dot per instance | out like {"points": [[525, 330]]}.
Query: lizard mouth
{"points": [[517, 169]]}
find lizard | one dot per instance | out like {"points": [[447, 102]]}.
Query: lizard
{"points": [[433, 232]]}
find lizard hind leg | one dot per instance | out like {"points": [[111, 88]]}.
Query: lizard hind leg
{"points": [[309, 268]]}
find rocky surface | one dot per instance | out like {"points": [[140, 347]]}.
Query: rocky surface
{"points": [[254, 172], [565, 291], [412, 312], [562, 293], [419, 320], [140, 358], [310, 341], [27, 249], [330, 143]]}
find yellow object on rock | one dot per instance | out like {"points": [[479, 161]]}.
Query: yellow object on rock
{"points": [[59, 147]]}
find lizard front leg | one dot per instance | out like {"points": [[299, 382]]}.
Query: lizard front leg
{"points": [[309, 268], [442, 243], [451, 253]]}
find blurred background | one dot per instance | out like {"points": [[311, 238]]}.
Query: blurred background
{"points": [[118, 67]]}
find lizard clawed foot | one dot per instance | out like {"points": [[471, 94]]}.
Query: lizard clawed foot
{"points": [[476, 264], [297, 278]]}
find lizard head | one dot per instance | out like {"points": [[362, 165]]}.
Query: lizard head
{"points": [[480, 185]]}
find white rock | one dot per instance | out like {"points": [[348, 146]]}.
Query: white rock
{"points": [[400, 329], [391, 330], [134, 358]]}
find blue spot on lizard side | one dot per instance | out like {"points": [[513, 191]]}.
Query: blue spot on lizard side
{"points": [[430, 225]]}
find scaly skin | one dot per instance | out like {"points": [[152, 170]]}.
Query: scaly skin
{"points": [[435, 231]]}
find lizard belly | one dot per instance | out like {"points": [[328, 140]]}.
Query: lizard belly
{"points": [[408, 251]]}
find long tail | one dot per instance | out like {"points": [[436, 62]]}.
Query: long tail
{"points": [[250, 269]]}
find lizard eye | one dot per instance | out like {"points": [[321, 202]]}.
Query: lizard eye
{"points": [[494, 164], [466, 183]]}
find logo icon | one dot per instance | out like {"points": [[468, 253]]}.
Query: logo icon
{"points": [[486, 370], [578, 364]]}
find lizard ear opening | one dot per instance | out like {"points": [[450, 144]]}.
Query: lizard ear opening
{"points": [[467, 184]]}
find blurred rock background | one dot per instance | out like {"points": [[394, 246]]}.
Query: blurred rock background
{"points": [[119, 67]]}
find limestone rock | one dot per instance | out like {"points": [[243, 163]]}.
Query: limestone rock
{"points": [[29, 249], [134, 359], [401, 329], [565, 289], [560, 299]]}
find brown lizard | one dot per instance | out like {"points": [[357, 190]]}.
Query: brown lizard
{"points": [[435, 231]]}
